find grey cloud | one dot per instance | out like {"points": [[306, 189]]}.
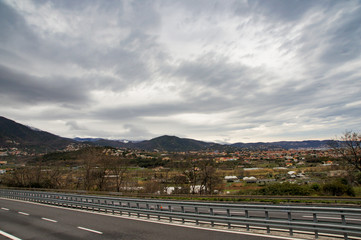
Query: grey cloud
{"points": [[30, 89], [127, 113], [290, 10], [73, 125], [15, 34], [192, 105], [217, 74], [344, 42], [128, 59], [208, 83], [132, 130]]}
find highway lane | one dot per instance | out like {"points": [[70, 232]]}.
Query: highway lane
{"points": [[34, 221]]}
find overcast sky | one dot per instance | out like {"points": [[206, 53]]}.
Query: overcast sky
{"points": [[225, 71]]}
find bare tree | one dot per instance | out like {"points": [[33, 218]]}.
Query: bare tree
{"points": [[90, 158], [349, 147], [118, 167], [208, 177], [191, 172], [99, 178], [18, 177], [55, 177], [51, 178], [153, 186]]}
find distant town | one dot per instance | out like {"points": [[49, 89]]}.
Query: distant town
{"points": [[161, 172], [167, 165]]}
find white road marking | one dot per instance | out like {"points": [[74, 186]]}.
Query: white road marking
{"points": [[334, 218], [24, 213], [90, 230], [6, 209], [9, 235], [49, 220]]}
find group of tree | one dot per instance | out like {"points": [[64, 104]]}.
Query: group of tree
{"points": [[201, 176], [96, 171]]}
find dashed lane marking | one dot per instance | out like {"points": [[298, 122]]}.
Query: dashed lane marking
{"points": [[24, 213], [49, 220], [9, 235], [90, 230], [5, 209]]}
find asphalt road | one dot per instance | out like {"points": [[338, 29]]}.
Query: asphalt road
{"points": [[33, 221]]}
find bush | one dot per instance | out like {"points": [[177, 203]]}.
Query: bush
{"points": [[358, 178], [315, 187], [285, 189], [338, 188]]}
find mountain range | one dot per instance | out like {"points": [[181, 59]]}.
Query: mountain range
{"points": [[13, 134]]}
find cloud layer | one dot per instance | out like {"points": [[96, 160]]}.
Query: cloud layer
{"points": [[211, 70]]}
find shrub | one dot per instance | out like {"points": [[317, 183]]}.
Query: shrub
{"points": [[315, 187], [338, 188], [285, 189], [358, 178]]}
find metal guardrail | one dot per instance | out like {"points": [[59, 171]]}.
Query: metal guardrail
{"points": [[338, 222]]}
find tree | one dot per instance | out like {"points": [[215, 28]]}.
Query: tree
{"points": [[191, 172], [52, 178], [99, 176], [208, 177], [349, 147], [90, 158], [118, 167]]}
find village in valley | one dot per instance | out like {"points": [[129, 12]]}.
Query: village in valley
{"points": [[230, 172]]}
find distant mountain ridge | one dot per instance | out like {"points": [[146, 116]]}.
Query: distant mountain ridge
{"points": [[308, 144], [176, 144], [14, 134]]}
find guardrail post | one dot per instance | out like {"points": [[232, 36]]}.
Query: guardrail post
{"points": [[129, 213], [120, 210], [138, 215], [345, 235], [315, 221], [182, 207], [247, 216], [211, 213], [105, 208], [170, 210], [158, 209], [290, 220], [196, 212], [147, 205], [229, 215], [267, 218]]}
